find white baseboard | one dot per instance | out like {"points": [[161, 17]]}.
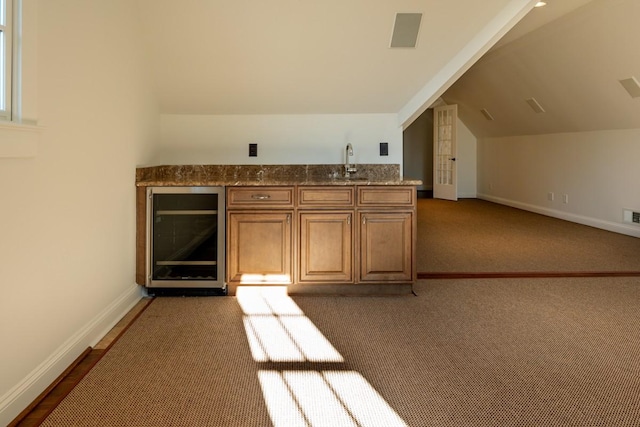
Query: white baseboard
{"points": [[26, 391], [615, 227], [467, 196]]}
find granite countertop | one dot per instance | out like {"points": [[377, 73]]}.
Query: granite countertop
{"points": [[262, 175]]}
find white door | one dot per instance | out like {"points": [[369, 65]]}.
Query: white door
{"points": [[445, 181]]}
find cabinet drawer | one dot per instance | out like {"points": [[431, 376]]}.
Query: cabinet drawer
{"points": [[387, 196], [259, 197], [325, 196]]}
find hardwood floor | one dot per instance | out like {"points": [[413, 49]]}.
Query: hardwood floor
{"points": [[35, 413]]}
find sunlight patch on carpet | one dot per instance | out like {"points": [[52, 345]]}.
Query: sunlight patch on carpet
{"points": [[278, 331], [326, 398]]}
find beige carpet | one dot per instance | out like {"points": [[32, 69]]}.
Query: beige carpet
{"points": [[473, 235], [534, 352]]}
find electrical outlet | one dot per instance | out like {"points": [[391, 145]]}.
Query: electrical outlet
{"points": [[551, 196], [630, 216], [253, 150], [565, 198], [384, 148]]}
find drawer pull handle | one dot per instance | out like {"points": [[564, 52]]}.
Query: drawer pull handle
{"points": [[260, 196]]}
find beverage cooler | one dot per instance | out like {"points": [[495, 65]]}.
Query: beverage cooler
{"points": [[185, 240]]}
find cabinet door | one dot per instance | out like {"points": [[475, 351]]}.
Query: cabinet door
{"points": [[386, 246], [326, 242], [259, 247]]}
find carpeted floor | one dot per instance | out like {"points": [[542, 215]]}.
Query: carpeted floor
{"points": [[473, 352], [543, 352], [473, 235]]}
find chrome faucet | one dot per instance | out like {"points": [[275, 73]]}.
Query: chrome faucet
{"points": [[348, 168]]}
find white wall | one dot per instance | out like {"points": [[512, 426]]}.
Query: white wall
{"points": [[281, 139], [67, 217], [598, 171]]}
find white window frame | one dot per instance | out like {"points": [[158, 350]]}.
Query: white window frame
{"points": [[10, 61], [19, 138]]}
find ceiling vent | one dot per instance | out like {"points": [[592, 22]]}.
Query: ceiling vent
{"points": [[632, 86], [535, 106], [405, 30], [487, 115]]}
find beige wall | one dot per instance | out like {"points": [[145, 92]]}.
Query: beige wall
{"points": [[466, 160], [418, 150], [418, 155], [281, 139], [597, 170], [68, 213]]}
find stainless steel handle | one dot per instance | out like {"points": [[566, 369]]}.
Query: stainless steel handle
{"points": [[260, 196], [364, 220], [288, 218], [349, 219]]}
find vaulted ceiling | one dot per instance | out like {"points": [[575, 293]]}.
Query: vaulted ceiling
{"points": [[571, 66], [301, 56]]}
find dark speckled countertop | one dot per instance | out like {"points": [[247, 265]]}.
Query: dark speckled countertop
{"points": [[240, 175]]}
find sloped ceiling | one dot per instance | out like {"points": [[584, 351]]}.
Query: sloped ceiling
{"points": [[301, 56], [571, 66]]}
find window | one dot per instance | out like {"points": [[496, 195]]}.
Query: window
{"points": [[8, 59], [18, 136]]}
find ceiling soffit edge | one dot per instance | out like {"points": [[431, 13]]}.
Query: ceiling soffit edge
{"points": [[463, 60]]}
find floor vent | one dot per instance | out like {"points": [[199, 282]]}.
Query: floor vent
{"points": [[631, 216]]}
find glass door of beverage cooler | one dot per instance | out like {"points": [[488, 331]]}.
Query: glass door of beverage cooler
{"points": [[186, 237]]}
